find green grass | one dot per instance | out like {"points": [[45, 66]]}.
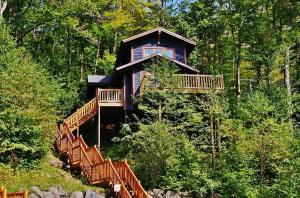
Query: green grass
{"points": [[43, 177]]}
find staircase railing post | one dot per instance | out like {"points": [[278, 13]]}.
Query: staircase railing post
{"points": [[99, 119]]}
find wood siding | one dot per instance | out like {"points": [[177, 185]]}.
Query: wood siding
{"points": [[165, 41], [128, 90], [137, 79]]}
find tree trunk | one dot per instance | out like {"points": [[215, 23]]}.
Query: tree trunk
{"points": [[3, 5], [287, 83], [81, 61], [287, 72], [262, 158], [97, 54], [159, 111], [219, 135], [115, 43], [69, 55], [237, 52], [212, 137]]}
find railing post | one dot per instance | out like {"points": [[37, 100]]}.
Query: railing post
{"points": [[99, 125], [26, 194]]}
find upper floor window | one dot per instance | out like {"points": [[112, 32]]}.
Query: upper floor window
{"points": [[168, 52]]}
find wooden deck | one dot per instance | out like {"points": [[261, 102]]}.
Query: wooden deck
{"points": [[186, 83], [110, 97]]}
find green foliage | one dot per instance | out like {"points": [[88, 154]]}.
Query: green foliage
{"points": [[185, 170], [149, 149], [44, 176], [30, 102]]}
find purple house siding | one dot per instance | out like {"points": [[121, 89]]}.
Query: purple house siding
{"points": [[128, 90], [137, 79], [137, 47]]}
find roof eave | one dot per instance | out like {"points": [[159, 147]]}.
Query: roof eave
{"points": [[157, 30], [152, 56]]}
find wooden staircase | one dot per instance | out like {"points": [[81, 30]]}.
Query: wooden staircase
{"points": [[90, 161]]}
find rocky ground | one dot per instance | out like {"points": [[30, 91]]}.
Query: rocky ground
{"points": [[58, 192], [160, 193]]}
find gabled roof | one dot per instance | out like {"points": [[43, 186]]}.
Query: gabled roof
{"points": [[159, 29], [153, 56]]}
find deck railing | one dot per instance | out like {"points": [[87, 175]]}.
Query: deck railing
{"points": [[93, 167], [186, 83], [110, 95], [91, 162], [82, 114], [130, 179], [4, 194]]}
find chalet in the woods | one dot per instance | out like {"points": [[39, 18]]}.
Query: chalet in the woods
{"points": [[112, 96], [140, 49]]}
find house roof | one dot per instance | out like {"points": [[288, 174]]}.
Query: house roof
{"points": [[153, 56], [99, 79], [159, 29]]}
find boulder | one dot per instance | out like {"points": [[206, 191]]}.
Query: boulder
{"points": [[150, 192], [92, 194], [56, 163], [158, 191], [172, 194], [58, 192], [34, 195], [47, 195], [36, 190], [77, 194], [184, 194]]}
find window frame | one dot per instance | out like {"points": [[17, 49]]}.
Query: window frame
{"points": [[167, 48]]}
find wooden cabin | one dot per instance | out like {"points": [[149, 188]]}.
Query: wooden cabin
{"points": [[127, 80], [112, 97]]}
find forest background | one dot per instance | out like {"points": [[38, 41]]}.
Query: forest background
{"points": [[242, 143]]}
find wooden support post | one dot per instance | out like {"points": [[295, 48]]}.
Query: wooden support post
{"points": [[77, 132], [4, 193], [26, 194], [99, 125]]}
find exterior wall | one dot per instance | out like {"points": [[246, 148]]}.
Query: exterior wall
{"points": [[128, 90], [137, 47], [136, 79]]}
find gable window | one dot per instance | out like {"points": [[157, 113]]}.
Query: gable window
{"points": [[168, 52]]}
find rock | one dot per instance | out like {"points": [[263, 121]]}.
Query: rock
{"points": [[184, 194], [92, 194], [34, 195], [48, 195], [150, 192], [172, 194], [58, 192], [36, 190], [77, 194], [157, 191], [216, 195], [56, 163], [158, 196]]}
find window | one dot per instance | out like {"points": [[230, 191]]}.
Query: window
{"points": [[168, 52]]}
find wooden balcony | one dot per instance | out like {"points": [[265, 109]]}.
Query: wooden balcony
{"points": [[186, 83], [110, 97]]}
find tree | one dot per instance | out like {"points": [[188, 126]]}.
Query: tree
{"points": [[29, 106]]}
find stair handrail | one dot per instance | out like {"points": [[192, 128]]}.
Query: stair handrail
{"points": [[87, 169], [130, 178], [87, 162], [74, 118]]}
